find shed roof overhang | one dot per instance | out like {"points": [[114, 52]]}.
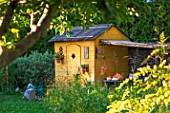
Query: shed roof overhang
{"points": [[79, 34], [132, 44]]}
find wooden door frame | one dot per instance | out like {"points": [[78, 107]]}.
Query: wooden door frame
{"points": [[67, 54]]}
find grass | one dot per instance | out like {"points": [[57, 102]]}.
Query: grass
{"points": [[15, 104], [66, 96]]}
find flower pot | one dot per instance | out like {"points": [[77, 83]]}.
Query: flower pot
{"points": [[57, 60], [83, 71]]}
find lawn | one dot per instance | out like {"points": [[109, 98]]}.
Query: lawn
{"points": [[15, 104]]}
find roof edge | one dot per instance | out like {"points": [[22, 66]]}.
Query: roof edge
{"points": [[108, 26], [132, 44]]}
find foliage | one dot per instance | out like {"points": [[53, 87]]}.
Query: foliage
{"points": [[67, 15], [152, 15], [26, 22], [3, 83], [83, 66], [57, 55], [145, 20], [129, 15], [43, 45], [37, 67], [147, 95], [76, 96], [7, 82]]}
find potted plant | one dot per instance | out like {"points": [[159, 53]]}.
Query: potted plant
{"points": [[83, 68], [57, 57]]}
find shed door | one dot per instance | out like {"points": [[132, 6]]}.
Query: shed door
{"points": [[73, 58]]}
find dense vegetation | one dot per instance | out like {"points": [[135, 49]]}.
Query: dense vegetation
{"points": [[77, 95], [37, 67], [147, 95], [24, 23], [143, 21]]}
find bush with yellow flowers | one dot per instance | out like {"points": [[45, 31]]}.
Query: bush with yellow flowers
{"points": [[149, 95]]}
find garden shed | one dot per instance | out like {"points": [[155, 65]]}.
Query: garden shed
{"points": [[138, 52], [88, 47]]}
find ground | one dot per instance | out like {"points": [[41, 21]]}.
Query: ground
{"points": [[15, 104]]}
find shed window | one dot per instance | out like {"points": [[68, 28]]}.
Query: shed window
{"points": [[73, 55], [86, 52]]}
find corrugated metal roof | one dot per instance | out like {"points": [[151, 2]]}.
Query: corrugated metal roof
{"points": [[132, 44], [87, 34]]}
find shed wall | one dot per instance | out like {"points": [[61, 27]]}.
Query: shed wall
{"points": [[115, 57], [71, 66]]}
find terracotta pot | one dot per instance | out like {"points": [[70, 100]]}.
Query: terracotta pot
{"points": [[83, 71], [57, 60]]}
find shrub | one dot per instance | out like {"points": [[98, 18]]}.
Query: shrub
{"points": [[41, 68], [37, 67]]}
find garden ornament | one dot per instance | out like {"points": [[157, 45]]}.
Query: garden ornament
{"points": [[30, 92]]}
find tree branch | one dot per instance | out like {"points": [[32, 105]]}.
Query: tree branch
{"points": [[43, 15], [6, 20], [8, 55], [32, 25]]}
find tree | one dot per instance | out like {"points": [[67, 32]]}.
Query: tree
{"points": [[24, 22], [37, 32], [146, 20]]}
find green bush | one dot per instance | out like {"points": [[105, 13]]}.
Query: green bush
{"points": [[40, 68], [36, 66]]}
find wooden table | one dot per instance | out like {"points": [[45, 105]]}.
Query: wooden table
{"points": [[113, 83]]}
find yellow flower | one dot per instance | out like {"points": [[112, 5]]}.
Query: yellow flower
{"points": [[110, 96]]}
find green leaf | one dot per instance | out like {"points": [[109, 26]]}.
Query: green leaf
{"points": [[62, 30], [14, 30]]}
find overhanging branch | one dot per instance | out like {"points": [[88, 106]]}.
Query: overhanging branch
{"points": [[7, 18], [8, 55]]}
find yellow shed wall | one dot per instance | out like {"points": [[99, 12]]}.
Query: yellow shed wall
{"points": [[113, 34], [71, 66], [115, 57]]}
